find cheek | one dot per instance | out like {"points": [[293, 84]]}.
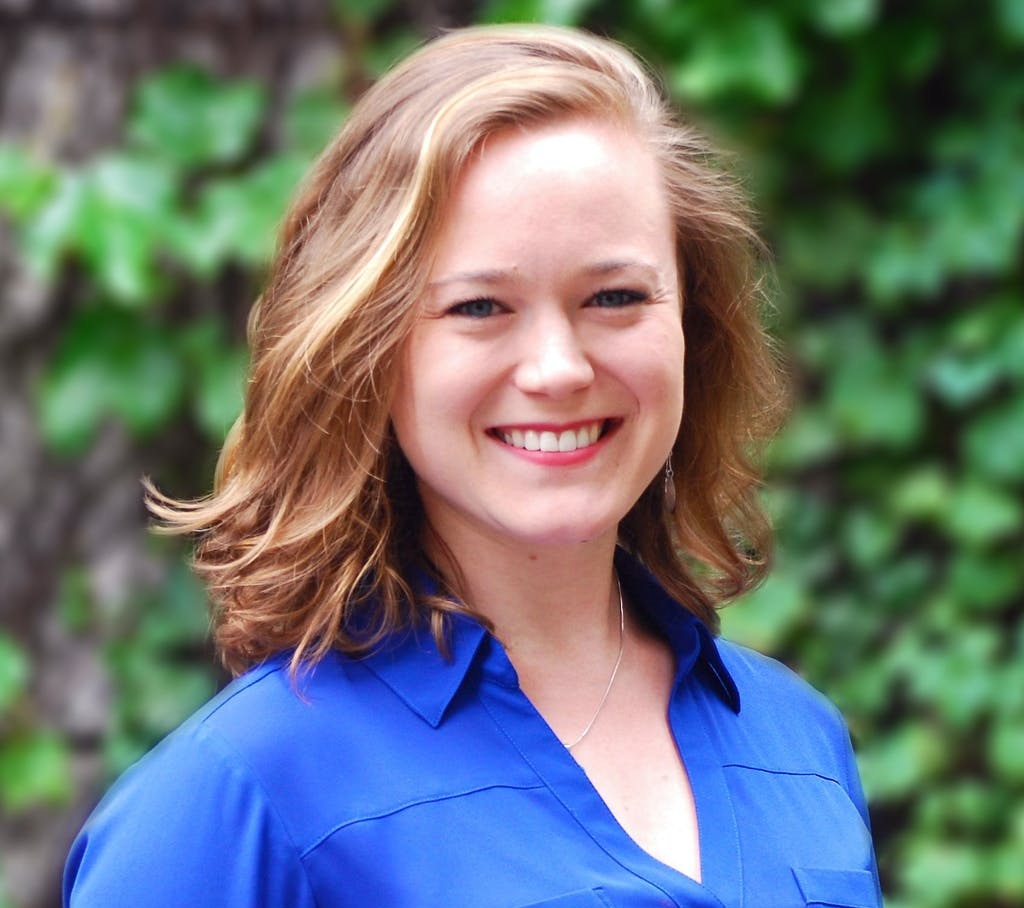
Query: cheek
{"points": [[662, 365], [435, 395]]}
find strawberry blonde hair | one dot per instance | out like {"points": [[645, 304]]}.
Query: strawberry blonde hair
{"points": [[314, 525]]}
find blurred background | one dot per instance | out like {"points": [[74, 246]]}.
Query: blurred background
{"points": [[147, 151]]}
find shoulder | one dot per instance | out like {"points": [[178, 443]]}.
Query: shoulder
{"points": [[247, 765], [158, 836], [784, 722], [766, 683]]}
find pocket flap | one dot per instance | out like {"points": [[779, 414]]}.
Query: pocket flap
{"points": [[837, 888]]}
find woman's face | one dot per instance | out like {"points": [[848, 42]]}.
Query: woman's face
{"points": [[542, 387]]}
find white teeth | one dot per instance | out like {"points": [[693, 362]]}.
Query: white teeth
{"points": [[548, 441]]}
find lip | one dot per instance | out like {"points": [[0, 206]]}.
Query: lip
{"points": [[608, 428]]}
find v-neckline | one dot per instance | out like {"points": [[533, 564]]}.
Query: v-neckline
{"points": [[718, 835]]}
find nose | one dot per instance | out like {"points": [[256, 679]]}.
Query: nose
{"points": [[552, 359]]}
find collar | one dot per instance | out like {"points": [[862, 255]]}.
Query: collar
{"points": [[411, 665]]}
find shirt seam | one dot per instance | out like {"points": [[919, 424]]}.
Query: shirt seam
{"points": [[406, 805], [217, 739], [258, 674], [784, 772]]}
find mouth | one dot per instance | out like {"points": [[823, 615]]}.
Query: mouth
{"points": [[550, 440]]}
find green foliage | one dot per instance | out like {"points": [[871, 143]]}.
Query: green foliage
{"points": [[13, 673], [142, 227], [153, 662], [109, 363], [888, 155], [34, 768], [555, 12], [184, 116], [34, 765]]}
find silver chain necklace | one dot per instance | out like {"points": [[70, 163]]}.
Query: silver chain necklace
{"points": [[615, 671]]}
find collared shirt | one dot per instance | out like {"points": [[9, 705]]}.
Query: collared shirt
{"points": [[405, 779]]}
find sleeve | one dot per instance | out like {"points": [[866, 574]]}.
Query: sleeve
{"points": [[187, 826], [855, 791]]}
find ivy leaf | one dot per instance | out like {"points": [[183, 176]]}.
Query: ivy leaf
{"points": [[109, 363], [978, 514], [34, 769], [25, 184], [51, 233], [869, 537], [961, 380], [953, 868], [312, 119], [844, 17], [219, 395], [14, 671], [1011, 19], [183, 115], [1009, 351], [237, 218], [869, 400], [1006, 749], [762, 618], [809, 437], [752, 55], [158, 693], [984, 580], [554, 12], [900, 763], [921, 494], [123, 225], [217, 368], [994, 441]]}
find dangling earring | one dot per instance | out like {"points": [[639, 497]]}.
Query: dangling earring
{"points": [[670, 487]]}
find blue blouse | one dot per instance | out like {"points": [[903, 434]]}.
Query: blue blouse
{"points": [[404, 779]]}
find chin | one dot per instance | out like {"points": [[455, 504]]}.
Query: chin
{"points": [[576, 532]]}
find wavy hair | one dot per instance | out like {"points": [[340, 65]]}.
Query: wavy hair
{"points": [[314, 524]]}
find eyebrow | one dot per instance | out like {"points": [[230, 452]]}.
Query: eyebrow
{"points": [[492, 276]]}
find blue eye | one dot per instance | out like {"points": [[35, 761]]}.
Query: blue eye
{"points": [[616, 299], [481, 308]]}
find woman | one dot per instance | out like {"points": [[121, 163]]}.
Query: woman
{"points": [[466, 541]]}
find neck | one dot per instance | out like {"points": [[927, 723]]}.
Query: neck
{"points": [[545, 601]]}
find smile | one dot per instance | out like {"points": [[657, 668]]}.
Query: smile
{"points": [[550, 441]]}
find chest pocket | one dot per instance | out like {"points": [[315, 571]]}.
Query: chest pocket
{"points": [[583, 898], [837, 888]]}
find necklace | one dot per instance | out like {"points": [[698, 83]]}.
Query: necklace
{"points": [[615, 671]]}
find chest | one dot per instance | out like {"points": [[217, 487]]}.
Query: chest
{"points": [[537, 828]]}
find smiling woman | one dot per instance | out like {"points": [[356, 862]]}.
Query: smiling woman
{"points": [[467, 539], [552, 318]]}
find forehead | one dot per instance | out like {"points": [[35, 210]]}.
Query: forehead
{"points": [[571, 181], [573, 147]]}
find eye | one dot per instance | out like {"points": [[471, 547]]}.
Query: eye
{"points": [[479, 308], [616, 299]]}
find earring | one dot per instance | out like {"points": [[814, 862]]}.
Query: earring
{"points": [[670, 487]]}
